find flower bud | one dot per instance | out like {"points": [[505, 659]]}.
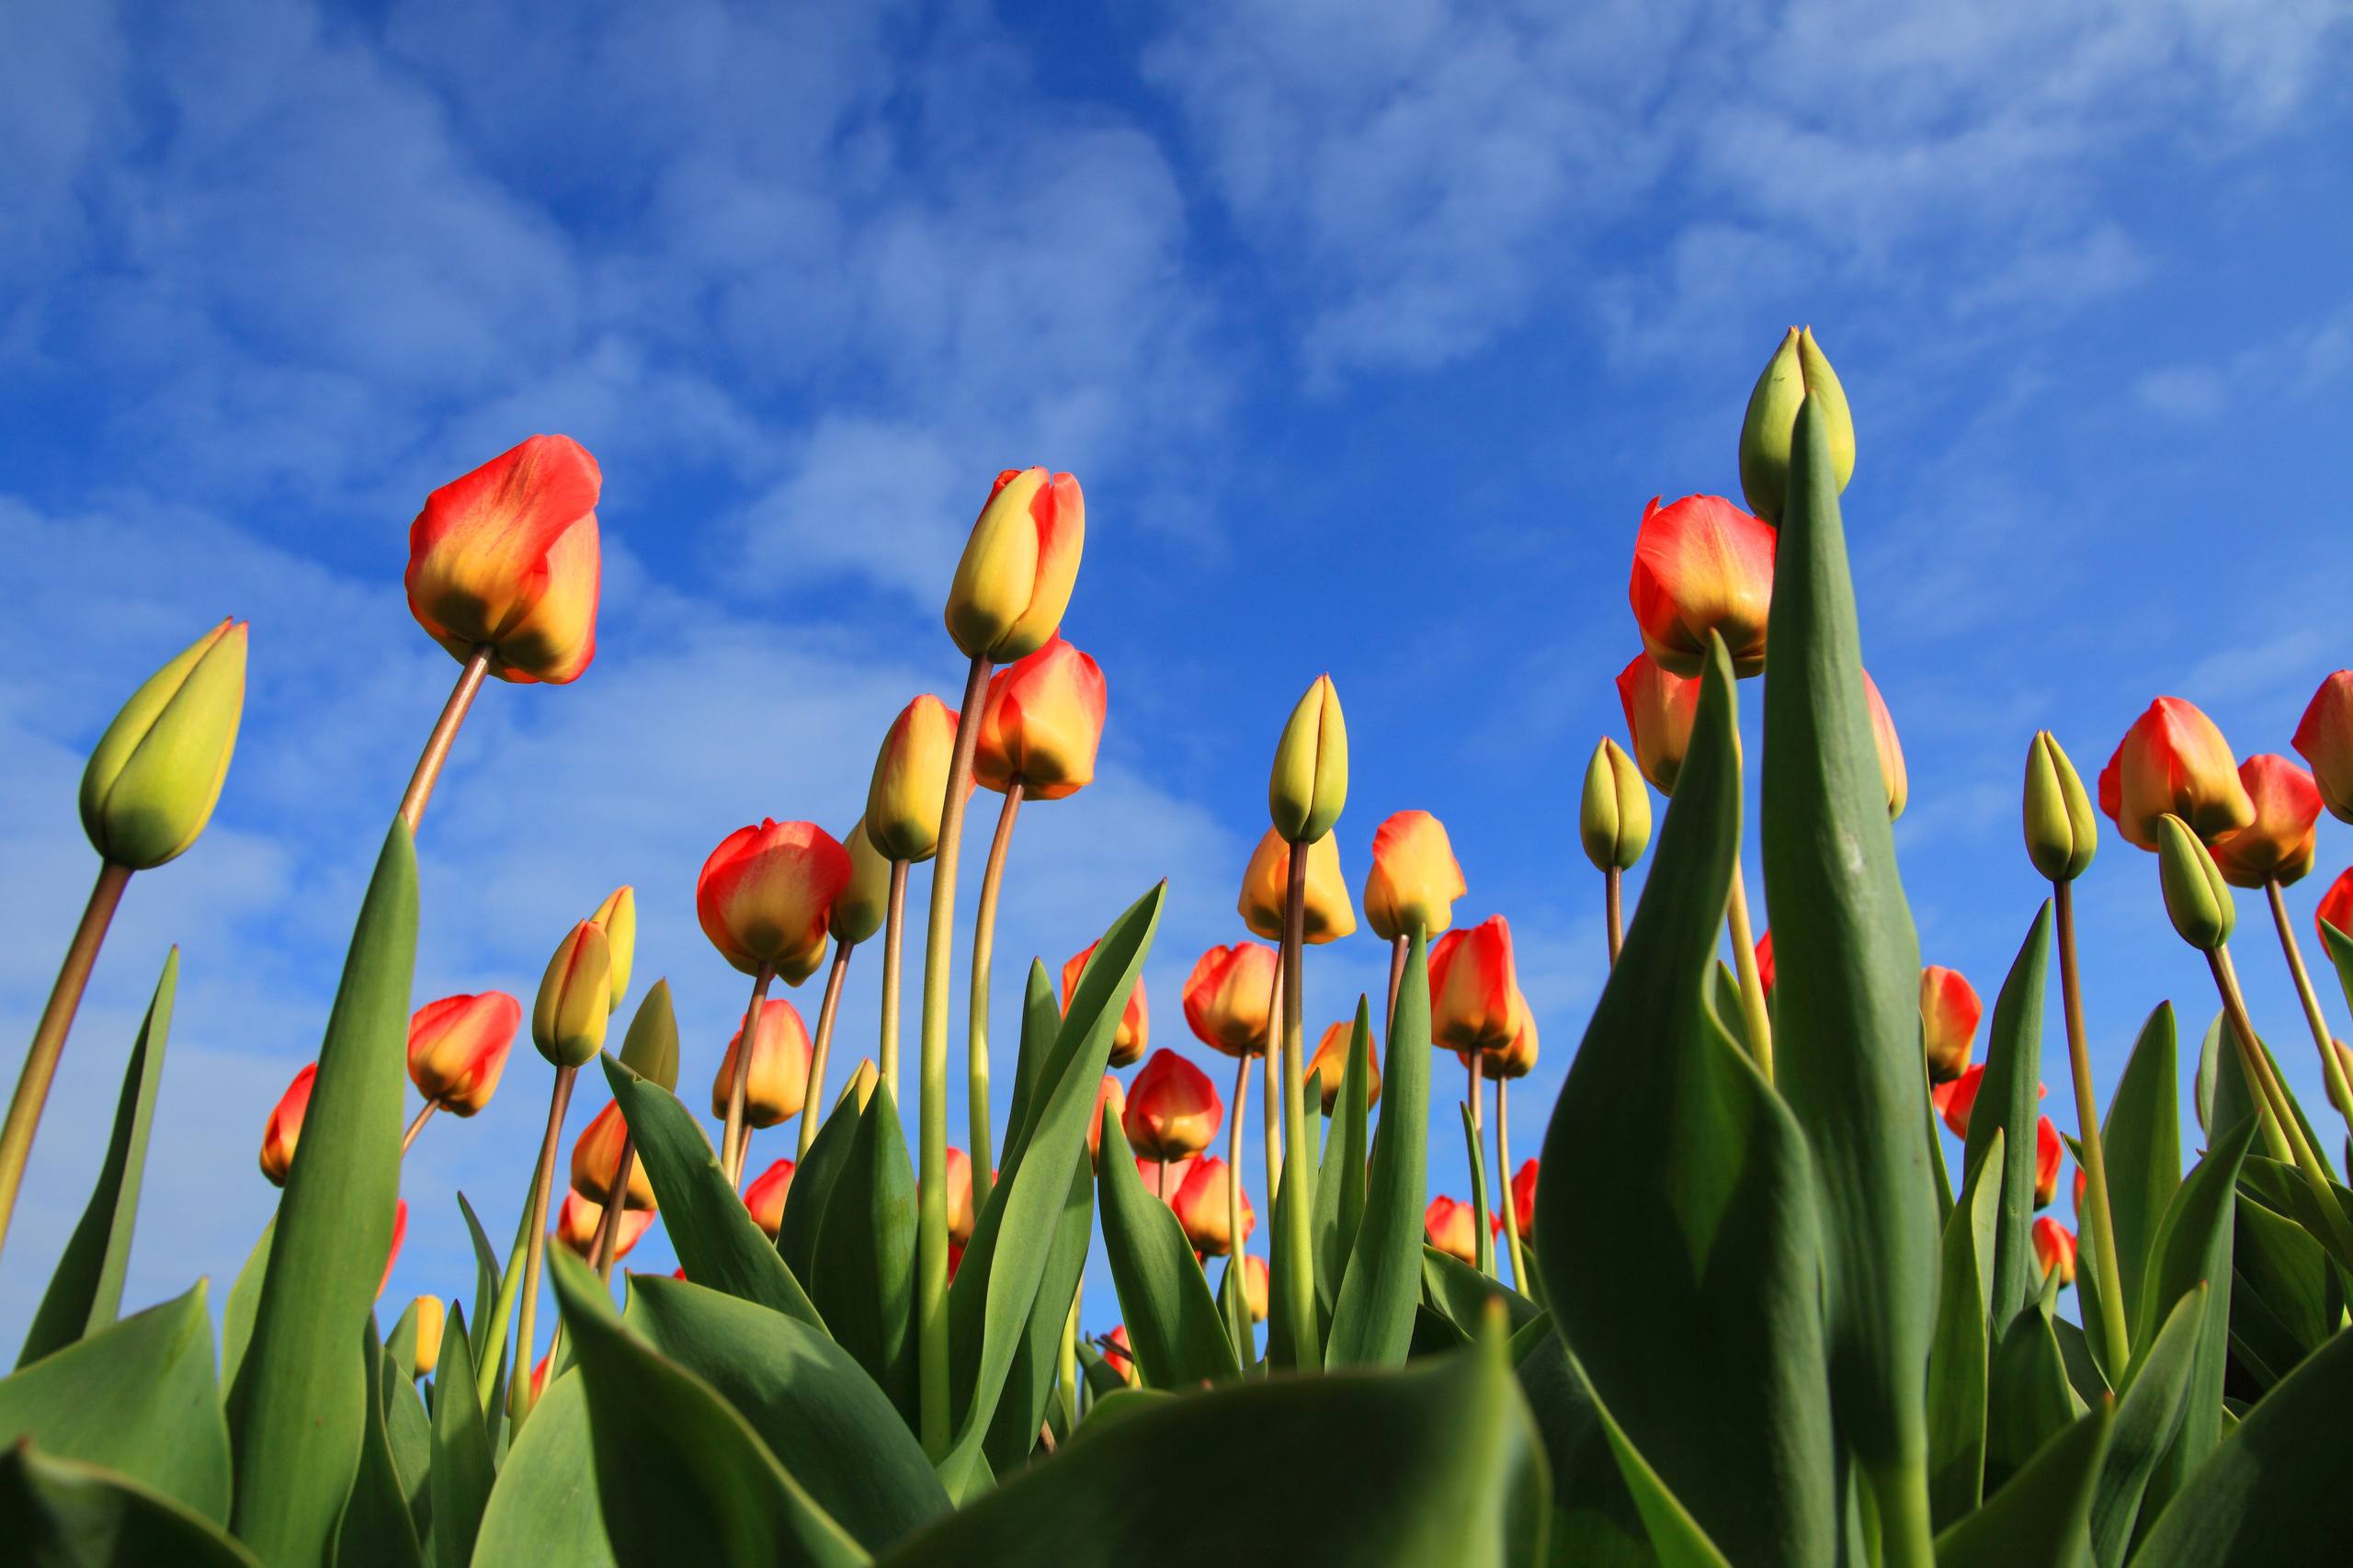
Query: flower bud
{"points": [[1475, 1003], [2054, 1248], [597, 1150], [1331, 1059], [1174, 1111], [765, 893], [1115, 1353], [650, 1050], [777, 1079], [1042, 723], [1614, 820], [1702, 565], [1111, 1094], [1310, 784], [283, 1130], [579, 1219], [1229, 998], [2324, 738], [2197, 899], [2336, 908], [155, 775], [1135, 1022], [1950, 1009], [1415, 878], [458, 1046], [1796, 371], [2278, 845], [1264, 886], [2047, 1152], [1891, 775], [909, 790], [1451, 1228], [2061, 831], [1523, 1199], [506, 558], [861, 1083], [2174, 761], [430, 1320], [1018, 567], [1660, 710], [1254, 1286], [764, 1198], [864, 902], [617, 918], [1199, 1206], [959, 1195], [575, 998]]}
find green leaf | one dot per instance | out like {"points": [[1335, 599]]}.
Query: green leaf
{"points": [[2146, 1419], [299, 1407], [864, 1276], [85, 1293], [1482, 1240], [245, 1301], [1595, 1518], [2142, 1137], [410, 1431], [1174, 1326], [1372, 1314], [2039, 1519], [2235, 1098], [1339, 1180], [63, 1514], [1028, 1382], [1723, 1000], [812, 1190], [2284, 1303], [1042, 1018], [400, 1344], [544, 1507], [486, 1276], [1959, 1350], [137, 1397], [2008, 1098], [680, 1475], [376, 1528], [461, 1475], [2028, 1397], [1674, 1535], [717, 1241], [1461, 1294]]}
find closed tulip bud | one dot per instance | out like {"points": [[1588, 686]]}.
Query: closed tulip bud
{"points": [[1950, 1009], [1614, 820], [862, 1083], [1135, 1022], [1659, 708], [1956, 1100], [2336, 909], [2324, 738], [597, 1150], [2047, 1152], [580, 1218], [1174, 1111], [1451, 1228], [1109, 1095], [506, 558], [1020, 565], [1891, 774], [1264, 886], [1765, 962], [1702, 565], [1475, 1003], [765, 893], [1796, 371], [1199, 1206], [2054, 1248], [1115, 1353], [1310, 784], [283, 1130], [777, 1079], [155, 775], [2278, 847], [2061, 831], [575, 998], [864, 902], [650, 1050], [1042, 723], [959, 1195], [909, 790], [764, 1198], [392, 1253], [1415, 878], [1229, 998], [1523, 1199], [2173, 761], [1331, 1062], [2197, 899], [617, 918], [1254, 1286], [458, 1046], [430, 1319]]}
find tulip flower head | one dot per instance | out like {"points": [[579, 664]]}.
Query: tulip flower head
{"points": [[1702, 565], [1950, 1009], [1891, 774], [597, 1150], [2325, 739], [1264, 886], [1228, 998], [1199, 1206], [580, 1218], [2061, 831], [1109, 1095], [155, 775], [283, 1130], [1254, 1286], [1523, 1199], [909, 790], [764, 1198], [1765, 961], [1614, 816], [1018, 567], [2173, 761], [1475, 1003], [1451, 1228], [2049, 1151], [1517, 1060], [1955, 1100], [1415, 878], [458, 1046], [1042, 723], [1173, 1111], [777, 1079], [540, 1371], [1660, 710], [2198, 900], [765, 893], [1797, 370], [617, 918], [2054, 1248], [2278, 845], [1331, 1063], [431, 1317], [575, 998], [1310, 783], [859, 909], [959, 1195], [1116, 1355], [506, 558], [2336, 909], [1135, 1022]]}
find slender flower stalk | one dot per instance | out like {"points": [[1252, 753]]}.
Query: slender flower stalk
{"points": [[894, 926], [519, 1394], [1270, 1065], [1613, 893], [2098, 1216], [1754, 1014], [603, 1254], [984, 956], [1482, 1240], [811, 1104], [2332, 1067], [418, 1125], [1510, 1199], [1066, 1363], [1237, 1313], [1296, 1232], [445, 735], [2267, 1086], [733, 1141]]}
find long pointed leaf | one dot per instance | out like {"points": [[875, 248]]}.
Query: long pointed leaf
{"points": [[544, 1505], [2008, 1100], [64, 1512], [462, 1475], [2146, 1419], [2039, 1519], [1174, 1326], [1372, 1315], [1339, 1183], [812, 1190], [2142, 1133], [1960, 1353], [864, 1279], [376, 1528]]}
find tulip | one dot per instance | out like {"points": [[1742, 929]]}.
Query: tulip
{"points": [[764, 1198], [1165, 1180], [1331, 1063], [1310, 783], [1174, 1111], [155, 775], [1135, 1022], [504, 563], [2048, 1151], [2198, 900], [1475, 1003], [650, 1050], [575, 998], [1515, 1059], [1660, 708], [1116, 1355], [1042, 723], [1265, 884], [777, 1075], [1948, 1012], [1415, 878], [862, 1083], [458, 1046], [2174, 761], [1228, 998], [1614, 817], [2054, 1248], [1891, 774], [1109, 1095], [617, 918], [598, 1151], [540, 1371], [1523, 1197], [764, 895], [1955, 1100], [1254, 1286], [858, 910], [2061, 832], [580, 1218], [2278, 846], [1453, 1229], [960, 1197], [1765, 961], [910, 784], [2082, 1179], [1201, 1207], [1702, 565], [2336, 907], [284, 1127], [1018, 567], [430, 1318], [2325, 739], [1797, 370], [400, 1234]]}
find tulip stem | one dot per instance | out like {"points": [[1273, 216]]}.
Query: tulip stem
{"points": [[1160, 1180], [894, 925], [811, 1102], [2266, 1083], [1237, 1315], [1754, 1014], [1270, 1120], [48, 1035], [976, 1095], [1482, 1240], [1294, 1217], [733, 1141], [606, 1251], [519, 1393], [931, 1232], [417, 1126], [2332, 1066], [444, 735], [2098, 1217], [1613, 894], [1510, 1198]]}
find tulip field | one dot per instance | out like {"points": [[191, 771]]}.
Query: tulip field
{"points": [[1740, 1307]]}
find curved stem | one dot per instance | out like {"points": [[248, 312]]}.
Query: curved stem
{"points": [[813, 1097], [2098, 1217], [417, 1126], [1237, 1313], [2267, 1085], [1613, 893], [895, 930], [2332, 1066], [1296, 1235], [734, 1139], [976, 1094], [445, 735], [606, 1251], [518, 1387], [1510, 1199], [1482, 1240], [1754, 1014]]}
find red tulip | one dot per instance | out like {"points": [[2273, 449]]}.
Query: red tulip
{"points": [[506, 558], [2325, 739], [2081, 1181], [1174, 1111], [777, 1078], [1332, 1056], [1700, 565], [1523, 1199], [284, 1128], [580, 1218], [1948, 1012], [1415, 878], [764, 1198], [458, 1046], [1020, 565], [1229, 998], [1199, 1205], [1955, 1100], [1449, 1226], [2174, 761], [2048, 1151], [1891, 775], [1135, 1022], [1115, 1353], [1042, 723], [2336, 908], [1475, 1003], [764, 894], [2054, 1248], [2278, 846], [540, 1372], [597, 1150], [400, 1235], [1517, 1060], [1765, 961], [1660, 710]]}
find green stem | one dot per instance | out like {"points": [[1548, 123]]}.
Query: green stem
{"points": [[1906, 1537], [734, 1140], [812, 1098], [1613, 894], [1295, 1276], [444, 735], [2331, 1066], [976, 1094], [1754, 1012], [1510, 1198], [502, 1314], [1067, 1362], [518, 1388], [894, 927], [2098, 1217], [1482, 1240], [1237, 1314]]}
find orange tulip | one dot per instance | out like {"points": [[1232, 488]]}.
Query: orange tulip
{"points": [[1200, 1204], [1042, 722], [2048, 1151], [959, 1195], [1451, 1228], [400, 1234], [1702, 565], [1112, 1093], [1891, 774], [578, 1219], [779, 1076], [1254, 1286], [764, 1198], [2336, 908], [1328, 914], [2278, 845], [1475, 1003], [1115, 1353], [1135, 1023], [1332, 1057], [1515, 1059], [506, 558], [2174, 761], [1174, 1111], [909, 788], [284, 1127], [458, 1046], [1948, 1012], [2324, 738], [1660, 710], [2054, 1248], [765, 892], [1415, 878], [1228, 995], [597, 1150], [1954, 1101], [1020, 565]]}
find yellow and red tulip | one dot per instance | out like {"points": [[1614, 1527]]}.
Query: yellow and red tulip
{"points": [[1328, 914], [2173, 761], [1254, 1286], [777, 1078], [1149, 1171], [1042, 722], [431, 1317], [458, 1046], [1475, 1003], [1116, 1355], [1415, 878], [909, 788], [959, 1195], [1199, 1205], [1950, 1009], [2049, 1151], [578, 1221], [617, 918], [2336, 908], [1702, 565], [1515, 1059], [864, 902], [1020, 565], [764, 1198], [1227, 995], [1332, 1059], [575, 998], [506, 558], [2325, 739], [2054, 1248], [1891, 774], [1451, 1228], [1659, 708], [1954, 1101], [1135, 1023], [2278, 846], [1109, 1093], [1310, 783], [155, 775], [283, 1130], [1523, 1197], [400, 1235], [765, 893], [597, 1150], [1173, 1111]]}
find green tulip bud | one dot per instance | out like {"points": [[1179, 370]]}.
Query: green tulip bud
{"points": [[1311, 777], [575, 998], [650, 1050], [156, 773], [1615, 821], [2061, 830], [1796, 370], [617, 918], [2197, 899]]}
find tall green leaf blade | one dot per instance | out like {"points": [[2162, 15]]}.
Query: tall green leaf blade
{"points": [[2039, 1519], [2009, 1099], [463, 1474], [1339, 1183], [1596, 1521], [1042, 1018], [376, 1528], [2028, 1400], [1673, 1534], [486, 1275], [1372, 1315], [864, 1279], [1457, 1292], [245, 1302], [2283, 1300], [1174, 1326], [1959, 1352], [410, 1431], [1030, 1380], [2142, 1135], [64, 1513], [812, 1190], [544, 1507], [2147, 1417]]}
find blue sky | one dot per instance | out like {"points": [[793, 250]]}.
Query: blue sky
{"points": [[1369, 336]]}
